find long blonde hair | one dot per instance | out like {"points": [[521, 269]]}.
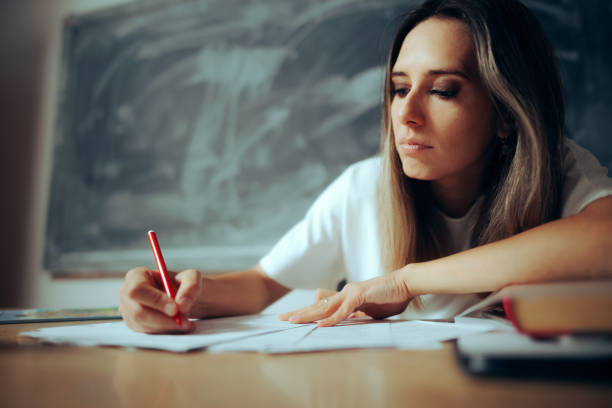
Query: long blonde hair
{"points": [[524, 178]]}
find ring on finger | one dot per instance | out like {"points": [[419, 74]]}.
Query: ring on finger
{"points": [[325, 299]]}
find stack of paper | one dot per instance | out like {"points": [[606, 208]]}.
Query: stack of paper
{"points": [[265, 333]]}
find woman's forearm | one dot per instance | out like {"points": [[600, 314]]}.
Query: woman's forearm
{"points": [[237, 293], [577, 247]]}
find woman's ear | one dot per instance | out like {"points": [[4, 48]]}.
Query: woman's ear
{"points": [[504, 124], [503, 129]]}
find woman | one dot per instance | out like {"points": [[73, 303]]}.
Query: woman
{"points": [[476, 188]]}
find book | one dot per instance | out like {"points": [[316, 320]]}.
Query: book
{"points": [[553, 309], [513, 354], [57, 315]]}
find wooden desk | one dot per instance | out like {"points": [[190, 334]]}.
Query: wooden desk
{"points": [[35, 375]]}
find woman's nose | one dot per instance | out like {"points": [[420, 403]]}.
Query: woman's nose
{"points": [[411, 110]]}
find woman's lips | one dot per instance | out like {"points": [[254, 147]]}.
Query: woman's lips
{"points": [[413, 147]]}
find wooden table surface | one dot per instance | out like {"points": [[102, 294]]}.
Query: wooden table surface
{"points": [[40, 375]]}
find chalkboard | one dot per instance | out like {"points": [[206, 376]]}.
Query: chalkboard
{"points": [[218, 122]]}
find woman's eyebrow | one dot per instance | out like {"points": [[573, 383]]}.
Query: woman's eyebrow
{"points": [[434, 72], [448, 72]]}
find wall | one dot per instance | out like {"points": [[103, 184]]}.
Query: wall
{"points": [[22, 52], [218, 128], [29, 51]]}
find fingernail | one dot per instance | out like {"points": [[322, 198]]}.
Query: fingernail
{"points": [[170, 309]]}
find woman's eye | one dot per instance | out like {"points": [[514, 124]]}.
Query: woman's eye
{"points": [[401, 92], [445, 93]]}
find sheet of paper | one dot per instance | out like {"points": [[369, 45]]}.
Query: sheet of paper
{"points": [[264, 343], [345, 335], [208, 332], [493, 298], [491, 324], [417, 334]]}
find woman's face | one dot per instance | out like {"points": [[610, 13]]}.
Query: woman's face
{"points": [[441, 114]]}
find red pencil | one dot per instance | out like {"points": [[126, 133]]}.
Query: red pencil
{"points": [[161, 265]]}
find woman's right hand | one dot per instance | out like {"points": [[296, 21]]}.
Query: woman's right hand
{"points": [[145, 306]]}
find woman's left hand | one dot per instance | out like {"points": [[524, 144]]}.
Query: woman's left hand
{"points": [[379, 298]]}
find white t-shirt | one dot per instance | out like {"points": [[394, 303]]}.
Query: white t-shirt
{"points": [[338, 237]]}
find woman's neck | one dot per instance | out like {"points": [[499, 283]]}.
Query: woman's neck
{"points": [[455, 196], [456, 193]]}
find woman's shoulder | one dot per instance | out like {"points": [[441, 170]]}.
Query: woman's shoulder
{"points": [[585, 179], [580, 157], [363, 175], [580, 163], [358, 180], [366, 167]]}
